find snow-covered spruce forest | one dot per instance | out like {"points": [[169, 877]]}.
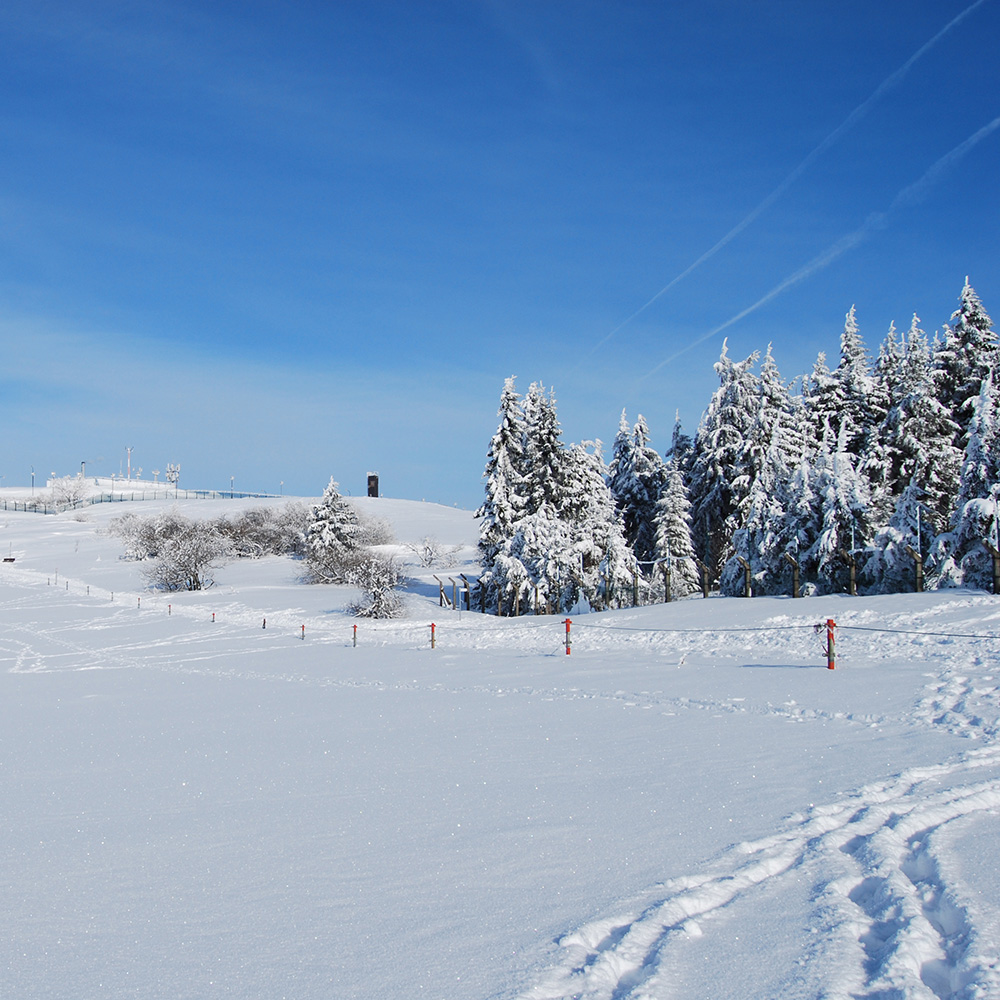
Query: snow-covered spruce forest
{"points": [[851, 477]]}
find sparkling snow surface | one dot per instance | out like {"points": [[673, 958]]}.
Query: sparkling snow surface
{"points": [[197, 809]]}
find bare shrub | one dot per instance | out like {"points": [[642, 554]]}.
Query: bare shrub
{"points": [[68, 490], [430, 552], [375, 531]]}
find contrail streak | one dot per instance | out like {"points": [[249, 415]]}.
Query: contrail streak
{"points": [[909, 195], [852, 119]]}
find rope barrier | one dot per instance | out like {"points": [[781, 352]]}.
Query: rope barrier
{"points": [[698, 631], [901, 631], [399, 628]]}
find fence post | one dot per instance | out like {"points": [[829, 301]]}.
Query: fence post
{"points": [[666, 583], [848, 558], [996, 566], [746, 575], [567, 623], [795, 575], [635, 586], [918, 561], [468, 592], [440, 590], [830, 644], [703, 569]]}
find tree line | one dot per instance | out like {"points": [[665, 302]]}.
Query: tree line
{"points": [[847, 476]]}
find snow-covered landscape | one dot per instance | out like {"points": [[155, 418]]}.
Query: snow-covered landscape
{"points": [[216, 793]]}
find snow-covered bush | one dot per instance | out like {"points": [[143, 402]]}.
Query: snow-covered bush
{"points": [[186, 557], [263, 531], [377, 577], [139, 535]]}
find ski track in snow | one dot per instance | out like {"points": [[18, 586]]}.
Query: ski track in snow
{"points": [[893, 927], [908, 935]]}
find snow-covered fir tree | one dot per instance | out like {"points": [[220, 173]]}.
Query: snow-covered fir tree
{"points": [[845, 525], [981, 462], [965, 356], [721, 473], [505, 482], [960, 557], [551, 537], [917, 441], [333, 538], [543, 540], [502, 574], [681, 451], [782, 420], [888, 374], [636, 477], [673, 534], [845, 399], [887, 383], [852, 465], [606, 562], [889, 566], [768, 533], [543, 450], [802, 520]]}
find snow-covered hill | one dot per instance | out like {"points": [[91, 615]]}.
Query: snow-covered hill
{"points": [[689, 805]]}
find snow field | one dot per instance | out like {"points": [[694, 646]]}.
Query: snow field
{"points": [[205, 809]]}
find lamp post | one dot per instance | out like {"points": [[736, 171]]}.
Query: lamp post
{"points": [[231, 493]]}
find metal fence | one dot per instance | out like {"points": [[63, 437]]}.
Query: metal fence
{"points": [[42, 505]]}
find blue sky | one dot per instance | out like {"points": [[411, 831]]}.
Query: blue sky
{"points": [[278, 242]]}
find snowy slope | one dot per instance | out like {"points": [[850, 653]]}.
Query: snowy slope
{"points": [[199, 808]]}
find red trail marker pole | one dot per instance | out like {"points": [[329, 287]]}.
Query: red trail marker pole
{"points": [[830, 644], [433, 626], [355, 636], [567, 623]]}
